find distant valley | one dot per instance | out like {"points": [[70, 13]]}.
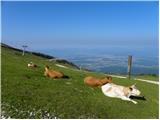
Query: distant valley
{"points": [[108, 61]]}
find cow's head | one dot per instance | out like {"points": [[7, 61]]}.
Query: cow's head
{"points": [[46, 67], [134, 90], [109, 78], [105, 80]]}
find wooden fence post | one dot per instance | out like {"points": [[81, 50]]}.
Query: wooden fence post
{"points": [[129, 66]]}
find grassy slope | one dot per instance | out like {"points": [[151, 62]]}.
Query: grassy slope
{"points": [[149, 77], [26, 93], [145, 77]]}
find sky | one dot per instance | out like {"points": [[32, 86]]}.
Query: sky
{"points": [[80, 24]]}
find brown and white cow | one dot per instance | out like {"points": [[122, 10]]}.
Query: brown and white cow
{"points": [[31, 65], [122, 92]]}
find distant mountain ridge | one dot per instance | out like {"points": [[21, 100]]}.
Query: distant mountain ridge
{"points": [[42, 55]]}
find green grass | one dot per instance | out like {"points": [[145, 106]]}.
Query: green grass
{"points": [[26, 93], [151, 77], [148, 77]]}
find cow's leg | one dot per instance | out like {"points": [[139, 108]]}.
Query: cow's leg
{"points": [[128, 99], [46, 74]]}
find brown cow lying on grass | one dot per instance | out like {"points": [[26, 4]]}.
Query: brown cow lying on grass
{"points": [[96, 82], [53, 73]]}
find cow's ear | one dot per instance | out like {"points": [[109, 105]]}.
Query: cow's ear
{"points": [[130, 88], [107, 77]]}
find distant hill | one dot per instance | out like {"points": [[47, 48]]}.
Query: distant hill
{"points": [[58, 60]]}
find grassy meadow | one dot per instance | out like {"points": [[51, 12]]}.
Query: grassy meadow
{"points": [[27, 93], [148, 77]]}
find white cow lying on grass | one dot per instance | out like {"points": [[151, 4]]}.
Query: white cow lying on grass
{"points": [[113, 90]]}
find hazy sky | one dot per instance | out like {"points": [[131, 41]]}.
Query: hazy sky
{"points": [[61, 24]]}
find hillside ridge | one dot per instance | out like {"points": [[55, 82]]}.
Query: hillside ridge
{"points": [[51, 58]]}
